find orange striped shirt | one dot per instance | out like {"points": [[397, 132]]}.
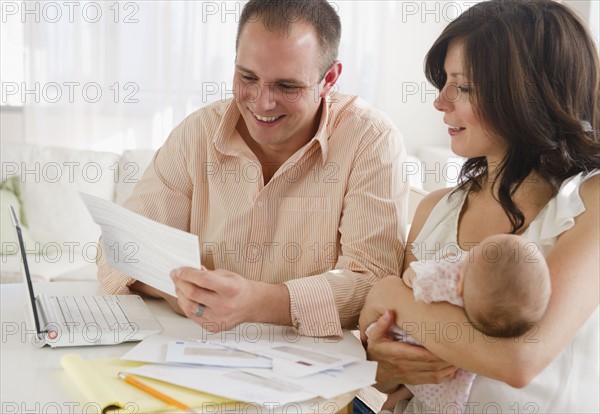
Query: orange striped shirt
{"points": [[329, 223]]}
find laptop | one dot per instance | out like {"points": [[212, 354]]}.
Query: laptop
{"points": [[62, 321]]}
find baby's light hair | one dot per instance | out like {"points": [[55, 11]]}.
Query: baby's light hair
{"points": [[506, 286]]}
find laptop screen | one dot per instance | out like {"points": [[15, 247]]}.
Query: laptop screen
{"points": [[15, 220]]}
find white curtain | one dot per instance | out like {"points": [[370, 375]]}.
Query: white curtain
{"points": [[118, 75], [125, 80]]}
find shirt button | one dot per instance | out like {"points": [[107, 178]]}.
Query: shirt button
{"points": [[259, 204]]}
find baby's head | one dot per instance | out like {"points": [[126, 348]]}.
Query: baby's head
{"points": [[505, 284]]}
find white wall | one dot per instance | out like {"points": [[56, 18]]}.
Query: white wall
{"points": [[589, 11], [399, 87], [11, 125], [595, 20], [409, 97]]}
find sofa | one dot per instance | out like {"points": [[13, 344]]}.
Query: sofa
{"points": [[43, 183]]}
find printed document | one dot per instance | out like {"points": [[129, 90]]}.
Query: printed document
{"points": [[295, 360], [204, 353], [142, 248], [299, 371], [161, 349], [226, 382]]}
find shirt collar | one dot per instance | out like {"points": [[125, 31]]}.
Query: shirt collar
{"points": [[323, 133], [229, 142]]}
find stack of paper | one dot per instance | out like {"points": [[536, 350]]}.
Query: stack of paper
{"points": [[261, 372]]}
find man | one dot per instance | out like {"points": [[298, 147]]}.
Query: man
{"points": [[295, 193]]}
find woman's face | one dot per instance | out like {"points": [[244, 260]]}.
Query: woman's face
{"points": [[468, 136]]}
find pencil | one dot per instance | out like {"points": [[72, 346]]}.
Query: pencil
{"points": [[155, 393]]}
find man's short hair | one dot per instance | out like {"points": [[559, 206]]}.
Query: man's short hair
{"points": [[280, 15]]}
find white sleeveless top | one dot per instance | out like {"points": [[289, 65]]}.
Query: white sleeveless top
{"points": [[570, 383]]}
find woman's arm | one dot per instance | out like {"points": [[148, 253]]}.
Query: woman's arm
{"points": [[400, 362], [444, 330], [373, 308]]}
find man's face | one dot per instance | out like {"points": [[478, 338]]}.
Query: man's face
{"points": [[276, 86]]}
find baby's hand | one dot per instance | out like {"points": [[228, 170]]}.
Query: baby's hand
{"points": [[408, 276], [400, 394]]}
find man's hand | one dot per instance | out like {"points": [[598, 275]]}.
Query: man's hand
{"points": [[229, 299], [401, 394], [402, 363]]}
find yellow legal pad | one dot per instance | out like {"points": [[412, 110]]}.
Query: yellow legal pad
{"points": [[97, 379]]}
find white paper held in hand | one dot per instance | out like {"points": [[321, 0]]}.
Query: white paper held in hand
{"points": [[142, 248]]}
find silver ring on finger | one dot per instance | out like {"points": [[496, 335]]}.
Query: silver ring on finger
{"points": [[199, 310]]}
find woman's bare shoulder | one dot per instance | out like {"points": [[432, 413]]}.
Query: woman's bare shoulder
{"points": [[424, 210], [590, 191], [428, 203]]}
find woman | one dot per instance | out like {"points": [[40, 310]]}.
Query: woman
{"points": [[520, 91]]}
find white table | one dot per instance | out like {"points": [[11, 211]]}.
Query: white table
{"points": [[33, 381]]}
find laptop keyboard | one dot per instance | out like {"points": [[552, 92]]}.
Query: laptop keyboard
{"points": [[92, 312]]}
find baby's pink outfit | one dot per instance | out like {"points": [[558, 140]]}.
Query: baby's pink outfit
{"points": [[436, 281]]}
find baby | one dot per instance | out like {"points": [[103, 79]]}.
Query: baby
{"points": [[503, 284]]}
